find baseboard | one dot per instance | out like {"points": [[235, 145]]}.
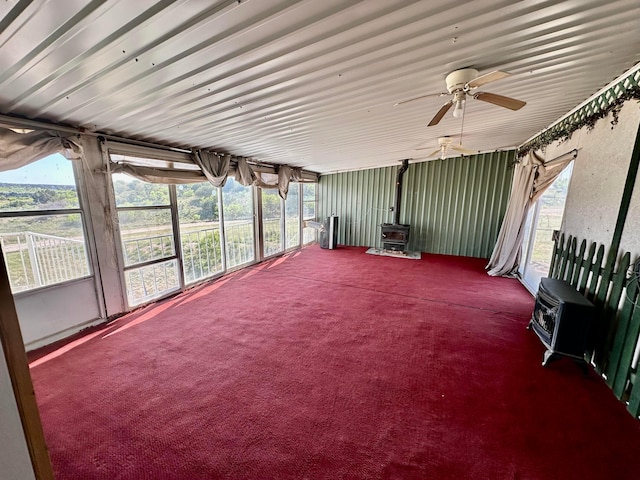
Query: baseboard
{"points": [[44, 341]]}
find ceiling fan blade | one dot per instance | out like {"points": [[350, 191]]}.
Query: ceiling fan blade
{"points": [[460, 149], [500, 100], [441, 113], [437, 150], [486, 78], [402, 102]]}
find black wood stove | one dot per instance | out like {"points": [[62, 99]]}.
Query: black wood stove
{"points": [[561, 318], [395, 236]]}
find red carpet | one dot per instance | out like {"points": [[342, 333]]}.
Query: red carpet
{"points": [[331, 365]]}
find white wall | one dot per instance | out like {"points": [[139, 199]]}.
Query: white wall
{"points": [[52, 313], [15, 463], [598, 179]]}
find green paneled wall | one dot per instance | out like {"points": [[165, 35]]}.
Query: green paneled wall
{"points": [[454, 206]]}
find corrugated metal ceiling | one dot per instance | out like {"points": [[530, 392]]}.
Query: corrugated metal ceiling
{"points": [[309, 83]]}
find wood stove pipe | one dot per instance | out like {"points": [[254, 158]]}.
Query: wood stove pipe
{"points": [[396, 208]]}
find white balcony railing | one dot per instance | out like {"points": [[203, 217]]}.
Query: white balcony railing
{"points": [[36, 260], [239, 237]]}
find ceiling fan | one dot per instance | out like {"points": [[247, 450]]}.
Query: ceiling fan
{"points": [[446, 144], [461, 83]]}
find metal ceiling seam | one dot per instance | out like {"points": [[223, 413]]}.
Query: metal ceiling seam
{"points": [[181, 92], [278, 103], [12, 15], [130, 81], [126, 59], [210, 43], [260, 88], [245, 93], [112, 39], [60, 32]]}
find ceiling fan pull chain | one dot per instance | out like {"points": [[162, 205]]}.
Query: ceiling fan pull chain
{"points": [[464, 109]]}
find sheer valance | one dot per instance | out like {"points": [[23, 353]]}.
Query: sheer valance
{"points": [[215, 167], [20, 149], [212, 167]]}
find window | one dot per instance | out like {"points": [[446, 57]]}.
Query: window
{"points": [[543, 218], [147, 238], [176, 235], [272, 222], [292, 216], [309, 210], [41, 224], [200, 236], [237, 212]]}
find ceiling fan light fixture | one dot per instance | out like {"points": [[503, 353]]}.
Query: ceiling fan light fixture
{"points": [[459, 108], [462, 82]]}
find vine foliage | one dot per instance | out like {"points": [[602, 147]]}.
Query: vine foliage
{"points": [[564, 130]]}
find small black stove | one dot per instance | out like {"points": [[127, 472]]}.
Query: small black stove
{"points": [[395, 236]]}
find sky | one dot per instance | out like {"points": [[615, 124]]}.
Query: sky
{"points": [[52, 170]]}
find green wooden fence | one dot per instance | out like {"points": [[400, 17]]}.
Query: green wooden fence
{"points": [[615, 295]]}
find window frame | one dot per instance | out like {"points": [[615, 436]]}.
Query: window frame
{"points": [[148, 153], [315, 212], [176, 256], [533, 216], [89, 244]]}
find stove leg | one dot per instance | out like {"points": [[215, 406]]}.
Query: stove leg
{"points": [[548, 356], [584, 366]]}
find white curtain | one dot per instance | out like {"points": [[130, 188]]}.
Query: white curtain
{"points": [[215, 167], [530, 179], [213, 171], [20, 149], [244, 173], [280, 180], [284, 178]]}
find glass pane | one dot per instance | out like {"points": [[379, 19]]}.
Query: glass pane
{"points": [[309, 210], [47, 184], [131, 192], [237, 203], [309, 192], [292, 216], [43, 250], [151, 281], [199, 215], [549, 219], [146, 235], [271, 226]]}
